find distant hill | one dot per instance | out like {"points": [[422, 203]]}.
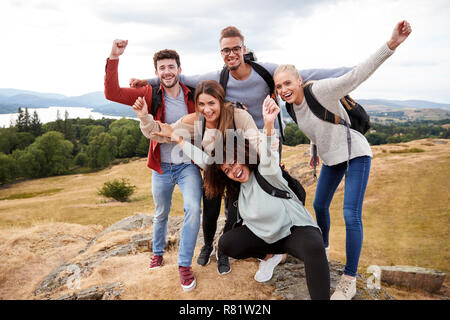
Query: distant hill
{"points": [[416, 104], [11, 99]]}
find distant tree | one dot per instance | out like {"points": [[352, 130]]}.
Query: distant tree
{"points": [[69, 131], [81, 159], [128, 147], [30, 162], [49, 155], [102, 150], [8, 139], [27, 121], [8, 168], [376, 138], [20, 122], [142, 146], [36, 125], [293, 135], [24, 139]]}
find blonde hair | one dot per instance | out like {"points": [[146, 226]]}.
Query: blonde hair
{"points": [[287, 68]]}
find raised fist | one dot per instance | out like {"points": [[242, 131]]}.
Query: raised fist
{"points": [[118, 48]]}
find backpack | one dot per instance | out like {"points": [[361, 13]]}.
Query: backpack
{"points": [[157, 98], [360, 120], [250, 58]]}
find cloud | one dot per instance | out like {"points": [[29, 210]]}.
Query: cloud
{"points": [[195, 25]]}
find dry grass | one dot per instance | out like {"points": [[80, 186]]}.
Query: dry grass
{"points": [[28, 255], [405, 215]]}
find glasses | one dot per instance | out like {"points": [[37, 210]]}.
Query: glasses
{"points": [[227, 51]]}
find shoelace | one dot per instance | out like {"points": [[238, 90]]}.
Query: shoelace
{"points": [[186, 274], [155, 261], [344, 285]]}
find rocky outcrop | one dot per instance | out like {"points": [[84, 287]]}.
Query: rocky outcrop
{"points": [[413, 277], [289, 278]]}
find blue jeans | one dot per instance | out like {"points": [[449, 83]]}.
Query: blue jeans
{"points": [[355, 188], [189, 180]]}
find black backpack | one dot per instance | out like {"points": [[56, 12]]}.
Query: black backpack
{"points": [[360, 120], [249, 58], [157, 98]]}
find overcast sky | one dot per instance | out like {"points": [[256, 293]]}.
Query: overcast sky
{"points": [[61, 46]]}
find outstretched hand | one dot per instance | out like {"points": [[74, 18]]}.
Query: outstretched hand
{"points": [[270, 110], [118, 48], [401, 31], [167, 131], [140, 107], [137, 83]]}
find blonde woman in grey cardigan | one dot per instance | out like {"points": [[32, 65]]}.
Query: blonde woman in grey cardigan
{"points": [[338, 156]]}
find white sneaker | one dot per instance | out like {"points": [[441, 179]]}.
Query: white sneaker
{"points": [[345, 290], [327, 252], [265, 270]]}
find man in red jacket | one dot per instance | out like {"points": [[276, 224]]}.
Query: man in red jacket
{"points": [[169, 167]]}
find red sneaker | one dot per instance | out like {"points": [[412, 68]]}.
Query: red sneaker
{"points": [[156, 262], [187, 278]]}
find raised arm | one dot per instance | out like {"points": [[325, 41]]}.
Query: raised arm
{"points": [[343, 85], [113, 91], [269, 158], [318, 74]]}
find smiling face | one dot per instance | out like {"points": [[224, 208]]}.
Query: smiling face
{"points": [[209, 107], [168, 72], [232, 50], [288, 86], [236, 172]]}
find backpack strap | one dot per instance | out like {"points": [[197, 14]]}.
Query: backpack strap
{"points": [[290, 110], [267, 187], [323, 114], [156, 100]]}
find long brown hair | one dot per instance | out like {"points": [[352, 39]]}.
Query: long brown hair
{"points": [[215, 181], [214, 89]]}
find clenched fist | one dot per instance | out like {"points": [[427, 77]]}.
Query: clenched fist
{"points": [[118, 48]]}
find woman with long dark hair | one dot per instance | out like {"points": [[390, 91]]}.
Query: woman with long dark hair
{"points": [[213, 120], [271, 224]]}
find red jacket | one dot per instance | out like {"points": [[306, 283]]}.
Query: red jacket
{"points": [[128, 96]]}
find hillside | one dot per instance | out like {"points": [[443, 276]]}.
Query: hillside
{"points": [[46, 222]]}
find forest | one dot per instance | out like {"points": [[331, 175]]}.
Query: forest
{"points": [[30, 149]]}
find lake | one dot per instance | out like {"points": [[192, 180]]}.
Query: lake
{"points": [[49, 114]]}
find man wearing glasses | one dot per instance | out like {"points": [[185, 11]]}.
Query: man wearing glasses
{"points": [[246, 86]]}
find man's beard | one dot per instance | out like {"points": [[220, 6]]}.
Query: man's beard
{"points": [[234, 68], [172, 84]]}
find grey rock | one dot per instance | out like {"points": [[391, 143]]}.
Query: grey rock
{"points": [[413, 277], [289, 280]]}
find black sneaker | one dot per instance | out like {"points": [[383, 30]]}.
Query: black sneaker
{"points": [[204, 256], [223, 264]]}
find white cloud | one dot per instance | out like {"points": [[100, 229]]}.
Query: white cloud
{"points": [[61, 46]]}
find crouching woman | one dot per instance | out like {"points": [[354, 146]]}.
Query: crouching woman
{"points": [[271, 225]]}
